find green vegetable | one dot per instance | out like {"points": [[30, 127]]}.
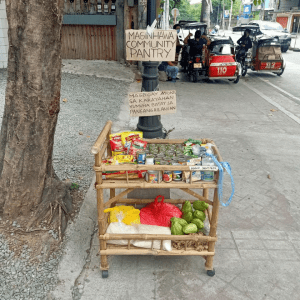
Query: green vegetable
{"points": [[176, 229], [188, 217], [190, 228], [182, 222], [199, 215], [198, 223], [200, 205], [187, 207]]}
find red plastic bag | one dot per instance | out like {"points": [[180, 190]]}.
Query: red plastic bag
{"points": [[159, 213]]}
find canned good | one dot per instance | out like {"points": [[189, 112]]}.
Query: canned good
{"points": [[149, 160], [153, 176], [167, 176], [141, 157], [176, 175], [207, 175]]}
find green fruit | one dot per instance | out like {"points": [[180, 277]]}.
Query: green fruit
{"points": [[198, 223], [187, 207], [190, 228], [176, 229], [200, 205], [199, 215], [182, 222], [188, 217]]}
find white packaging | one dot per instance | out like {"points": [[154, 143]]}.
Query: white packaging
{"points": [[151, 229], [120, 228]]}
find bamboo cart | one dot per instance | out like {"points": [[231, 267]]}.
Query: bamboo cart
{"points": [[101, 149]]}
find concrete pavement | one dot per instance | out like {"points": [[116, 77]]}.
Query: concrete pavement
{"points": [[258, 252]]}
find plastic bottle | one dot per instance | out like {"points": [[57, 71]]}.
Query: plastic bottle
{"points": [[208, 161]]}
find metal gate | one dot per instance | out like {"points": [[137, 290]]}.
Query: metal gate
{"points": [[91, 42]]}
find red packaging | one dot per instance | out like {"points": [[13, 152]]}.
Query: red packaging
{"points": [[137, 145], [116, 144], [159, 213]]}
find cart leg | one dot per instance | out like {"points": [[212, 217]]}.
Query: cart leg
{"points": [[212, 233], [112, 195], [102, 228]]}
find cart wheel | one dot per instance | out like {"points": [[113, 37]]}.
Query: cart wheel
{"points": [[280, 73], [104, 273], [211, 273], [237, 79]]}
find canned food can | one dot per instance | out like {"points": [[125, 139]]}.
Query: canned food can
{"points": [[176, 175], [153, 176], [141, 156], [167, 176]]}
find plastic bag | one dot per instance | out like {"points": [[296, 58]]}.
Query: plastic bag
{"points": [[120, 228], [130, 215], [159, 213], [150, 229]]}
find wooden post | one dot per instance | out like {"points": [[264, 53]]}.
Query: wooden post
{"points": [[213, 230], [101, 216]]}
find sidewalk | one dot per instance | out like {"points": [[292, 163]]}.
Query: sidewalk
{"points": [[258, 248]]}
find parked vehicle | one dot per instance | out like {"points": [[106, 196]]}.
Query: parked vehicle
{"points": [[265, 55], [274, 29], [216, 62]]}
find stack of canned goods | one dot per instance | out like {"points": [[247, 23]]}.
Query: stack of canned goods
{"points": [[163, 154]]}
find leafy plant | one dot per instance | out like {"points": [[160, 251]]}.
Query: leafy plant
{"points": [[74, 186]]}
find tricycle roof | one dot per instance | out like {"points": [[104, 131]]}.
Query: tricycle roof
{"points": [[194, 25]]}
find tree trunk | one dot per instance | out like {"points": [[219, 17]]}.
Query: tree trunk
{"points": [[28, 182], [205, 12]]}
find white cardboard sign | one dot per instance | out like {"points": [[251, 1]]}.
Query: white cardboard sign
{"points": [[159, 46], [204, 168], [152, 103]]}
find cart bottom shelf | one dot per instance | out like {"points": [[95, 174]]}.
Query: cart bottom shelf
{"points": [[123, 250]]}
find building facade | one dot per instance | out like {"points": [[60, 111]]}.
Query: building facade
{"points": [[287, 13]]}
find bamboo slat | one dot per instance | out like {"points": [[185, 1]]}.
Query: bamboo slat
{"points": [[136, 167], [142, 184], [101, 138], [141, 251], [150, 237], [194, 194], [116, 198], [146, 201]]}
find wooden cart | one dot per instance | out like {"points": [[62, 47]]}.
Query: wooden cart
{"points": [[101, 149]]}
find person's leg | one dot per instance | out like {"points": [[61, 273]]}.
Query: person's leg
{"points": [[172, 72]]}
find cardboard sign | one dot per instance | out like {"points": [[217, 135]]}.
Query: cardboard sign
{"points": [[204, 168], [159, 46], [152, 103]]}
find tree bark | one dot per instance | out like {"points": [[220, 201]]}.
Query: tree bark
{"points": [[205, 13], [32, 102]]}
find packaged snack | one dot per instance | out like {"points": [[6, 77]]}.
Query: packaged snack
{"points": [[128, 136], [122, 175], [136, 146], [124, 159], [114, 153], [116, 143]]}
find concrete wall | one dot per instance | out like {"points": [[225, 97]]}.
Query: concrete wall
{"points": [[286, 5], [3, 36]]}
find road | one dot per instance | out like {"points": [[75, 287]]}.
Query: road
{"points": [[255, 124]]}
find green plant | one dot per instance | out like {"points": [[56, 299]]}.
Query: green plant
{"points": [[74, 186]]}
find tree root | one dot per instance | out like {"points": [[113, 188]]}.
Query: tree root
{"points": [[55, 207]]}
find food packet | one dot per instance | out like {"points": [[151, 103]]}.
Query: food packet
{"points": [[128, 136], [137, 145], [124, 159], [120, 175], [116, 143]]}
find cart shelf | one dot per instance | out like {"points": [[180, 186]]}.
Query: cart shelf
{"points": [[101, 150]]}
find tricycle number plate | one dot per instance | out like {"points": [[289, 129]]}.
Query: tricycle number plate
{"points": [[197, 66], [271, 65], [248, 59]]}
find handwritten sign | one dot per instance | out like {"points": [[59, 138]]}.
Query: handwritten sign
{"points": [[152, 103], [159, 46], [204, 168]]}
